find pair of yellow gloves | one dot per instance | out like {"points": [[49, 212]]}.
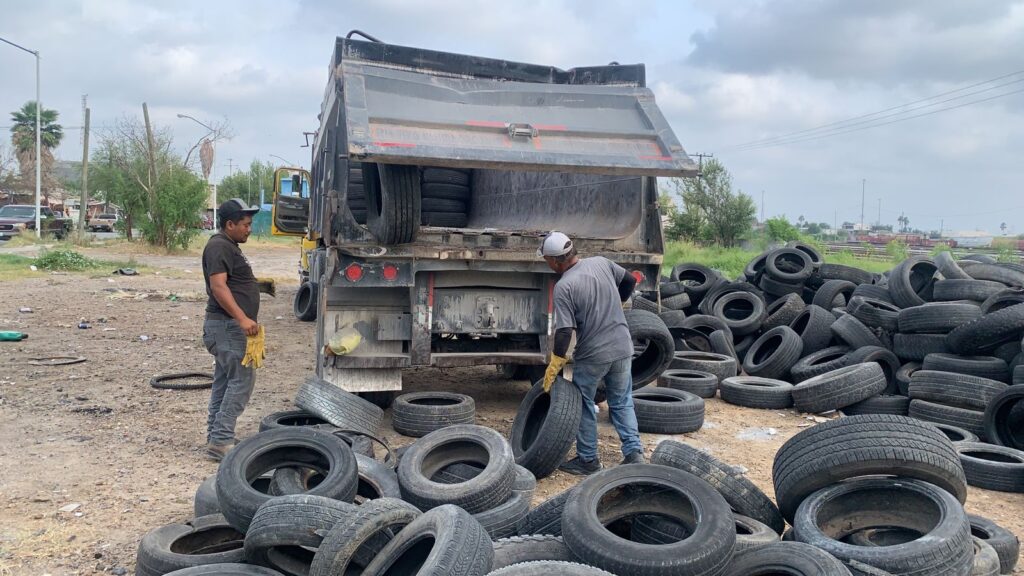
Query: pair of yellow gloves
{"points": [[255, 350]]}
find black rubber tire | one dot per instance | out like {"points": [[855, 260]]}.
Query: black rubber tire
{"points": [[445, 219], [904, 375], [360, 534], [668, 411], [742, 312], [672, 318], [754, 392], [546, 567], [873, 291], [789, 265], [847, 273], [914, 347], [885, 359], [839, 388], [525, 482], [1004, 418], [530, 548], [828, 295], [420, 413], [948, 267], [973, 290], [880, 404], [874, 313], [393, 208], [820, 362], [721, 343], [460, 443], [988, 367], [854, 334], [205, 501], [679, 302], [287, 522], [783, 311], [707, 305], [781, 558], [167, 381], [992, 467], [912, 281], [972, 258], [937, 318], [988, 332], [999, 272], [703, 384], [706, 324], [359, 216], [445, 541], [774, 287], [707, 552], [754, 270], [1008, 352], [1005, 543], [743, 496], [1018, 370], [697, 278], [861, 446], [546, 517], [828, 515], [446, 192], [444, 205], [813, 325], [986, 559], [446, 176], [953, 389], [971, 420], [652, 529], [816, 258], [545, 426], [382, 399], [1004, 299], [671, 288], [641, 303], [290, 418], [343, 409], [955, 433], [657, 355], [205, 540], [773, 353], [225, 569], [501, 521], [375, 480], [720, 365]]}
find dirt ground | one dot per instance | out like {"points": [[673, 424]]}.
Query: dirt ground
{"points": [[91, 457]]}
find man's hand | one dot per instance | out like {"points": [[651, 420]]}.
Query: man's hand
{"points": [[554, 368], [249, 326], [267, 286]]}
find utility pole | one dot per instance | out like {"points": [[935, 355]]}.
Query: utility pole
{"points": [[863, 183], [700, 162], [84, 205], [762, 206], [942, 226], [229, 167], [835, 223]]}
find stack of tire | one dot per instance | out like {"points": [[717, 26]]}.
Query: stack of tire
{"points": [[446, 195]]}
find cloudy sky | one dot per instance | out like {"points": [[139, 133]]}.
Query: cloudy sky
{"points": [[759, 83]]}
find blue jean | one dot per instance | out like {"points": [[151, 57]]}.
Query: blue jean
{"points": [[232, 382], [618, 383]]}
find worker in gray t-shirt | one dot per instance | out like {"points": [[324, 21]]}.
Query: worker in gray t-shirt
{"points": [[588, 300]]}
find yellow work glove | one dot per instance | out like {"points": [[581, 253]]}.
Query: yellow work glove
{"points": [[345, 341], [267, 286], [254, 350], [554, 369]]}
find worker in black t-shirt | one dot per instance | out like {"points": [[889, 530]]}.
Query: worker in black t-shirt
{"points": [[231, 310]]}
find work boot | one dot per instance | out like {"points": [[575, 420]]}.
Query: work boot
{"points": [[580, 467], [635, 458], [216, 452]]}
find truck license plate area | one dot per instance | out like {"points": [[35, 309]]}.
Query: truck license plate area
{"points": [[488, 311]]}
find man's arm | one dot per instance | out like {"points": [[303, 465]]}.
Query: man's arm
{"points": [[563, 336], [626, 286], [221, 293]]}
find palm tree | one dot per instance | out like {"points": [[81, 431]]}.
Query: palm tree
{"points": [[23, 137]]}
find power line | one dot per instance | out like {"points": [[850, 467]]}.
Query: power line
{"points": [[862, 116]]}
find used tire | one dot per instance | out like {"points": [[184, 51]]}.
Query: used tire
{"points": [[697, 278], [530, 548], [992, 467], [546, 518], [981, 366], [658, 530], [677, 302], [205, 501], [226, 569], [668, 411], [446, 176], [443, 205], [501, 521], [375, 480], [828, 295], [885, 359], [954, 433], [285, 447], [880, 404], [672, 318], [1005, 543], [839, 388], [646, 328], [861, 446], [789, 265], [912, 281], [545, 426], [205, 540], [971, 420], [792, 558], [359, 536], [874, 313], [987, 332], [445, 541], [343, 409], [721, 343], [873, 291], [783, 311], [854, 334], [999, 272], [828, 515], [755, 392], [742, 312], [904, 375], [813, 325], [720, 365], [445, 219], [986, 559], [974, 290], [288, 418], [459, 443], [393, 202], [545, 567], [937, 317], [948, 267], [285, 523], [305, 304], [599, 500], [914, 347], [773, 353], [703, 384], [742, 495], [1004, 299], [954, 389], [842, 272], [1004, 418], [420, 413], [820, 362]]}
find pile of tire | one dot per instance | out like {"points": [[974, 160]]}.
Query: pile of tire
{"points": [[445, 197]]}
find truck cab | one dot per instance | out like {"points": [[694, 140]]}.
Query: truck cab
{"points": [[434, 177]]}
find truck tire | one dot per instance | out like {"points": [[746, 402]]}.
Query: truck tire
{"points": [[992, 467], [459, 443], [912, 281], [783, 311], [646, 327], [291, 521], [449, 176], [839, 388], [707, 552], [880, 404], [987, 332], [343, 409], [828, 295], [205, 540], [914, 347], [949, 268], [907, 503], [360, 535], [854, 334], [668, 411], [742, 312], [874, 313], [285, 447], [720, 365], [971, 420], [743, 496], [443, 205], [458, 546], [1004, 418], [1005, 543], [937, 317], [794, 558], [545, 426], [952, 389], [703, 384], [546, 518], [445, 219], [820, 362], [813, 326], [420, 413], [530, 548], [973, 290], [861, 446], [393, 202], [988, 367], [305, 304], [755, 392], [773, 353]]}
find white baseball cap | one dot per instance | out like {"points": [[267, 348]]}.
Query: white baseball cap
{"points": [[555, 244]]}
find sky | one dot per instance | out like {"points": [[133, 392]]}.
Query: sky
{"points": [[750, 81]]}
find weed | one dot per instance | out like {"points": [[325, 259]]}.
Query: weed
{"points": [[65, 260]]}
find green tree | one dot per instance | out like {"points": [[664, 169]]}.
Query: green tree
{"points": [[23, 138], [780, 229], [246, 185], [712, 212], [897, 250], [813, 228]]}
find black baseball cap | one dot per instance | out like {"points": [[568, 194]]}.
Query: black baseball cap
{"points": [[235, 207]]}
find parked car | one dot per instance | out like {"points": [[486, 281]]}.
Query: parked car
{"points": [[18, 218], [102, 222]]}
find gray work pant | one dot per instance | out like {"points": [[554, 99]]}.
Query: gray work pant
{"points": [[232, 382]]}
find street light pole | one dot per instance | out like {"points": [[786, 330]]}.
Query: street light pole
{"points": [[213, 167], [286, 163], [39, 156]]}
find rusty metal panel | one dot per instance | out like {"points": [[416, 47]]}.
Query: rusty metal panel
{"points": [[489, 311], [394, 327]]}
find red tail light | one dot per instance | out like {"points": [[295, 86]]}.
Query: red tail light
{"points": [[638, 276], [354, 272], [389, 273]]}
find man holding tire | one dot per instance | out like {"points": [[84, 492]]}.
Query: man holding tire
{"points": [[588, 301]]}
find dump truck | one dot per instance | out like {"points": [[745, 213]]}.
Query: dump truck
{"points": [[434, 177]]}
